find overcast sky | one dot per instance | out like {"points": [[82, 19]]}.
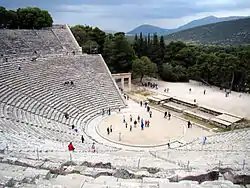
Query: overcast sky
{"points": [[124, 15]]}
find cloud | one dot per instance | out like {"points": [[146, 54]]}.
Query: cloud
{"points": [[126, 14]]}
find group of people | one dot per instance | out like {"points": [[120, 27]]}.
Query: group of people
{"points": [[108, 111], [167, 115], [150, 84], [67, 83], [109, 129]]}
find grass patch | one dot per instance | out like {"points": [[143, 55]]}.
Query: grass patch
{"points": [[75, 172], [144, 93], [206, 124]]}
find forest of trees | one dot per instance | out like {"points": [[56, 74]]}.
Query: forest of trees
{"points": [[223, 66], [24, 18]]}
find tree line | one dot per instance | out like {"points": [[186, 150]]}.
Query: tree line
{"points": [[224, 66], [24, 18]]}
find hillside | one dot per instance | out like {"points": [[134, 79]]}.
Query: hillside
{"points": [[145, 29], [227, 32]]}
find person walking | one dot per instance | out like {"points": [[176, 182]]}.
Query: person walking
{"points": [[150, 114], [82, 138], [110, 128]]}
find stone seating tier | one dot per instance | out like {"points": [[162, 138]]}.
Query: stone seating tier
{"points": [[51, 40]]}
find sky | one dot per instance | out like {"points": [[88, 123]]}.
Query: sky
{"points": [[125, 15]]}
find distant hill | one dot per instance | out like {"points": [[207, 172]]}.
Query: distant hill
{"points": [[110, 31], [145, 29], [227, 32], [205, 21]]}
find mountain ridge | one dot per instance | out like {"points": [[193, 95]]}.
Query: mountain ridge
{"points": [[223, 33], [147, 28]]}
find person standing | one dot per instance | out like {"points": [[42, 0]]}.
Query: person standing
{"points": [[110, 128], [130, 128], [135, 123], [150, 114], [123, 119], [165, 114], [169, 115], [189, 124], [71, 147], [131, 119], [82, 138]]}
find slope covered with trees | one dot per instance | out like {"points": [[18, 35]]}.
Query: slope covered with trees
{"points": [[223, 66], [223, 33], [24, 18]]}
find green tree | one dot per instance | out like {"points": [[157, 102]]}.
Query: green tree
{"points": [[25, 18], [89, 38], [118, 53], [33, 18], [143, 67]]}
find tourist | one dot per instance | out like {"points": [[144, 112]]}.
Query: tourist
{"points": [[150, 114], [167, 90], [189, 124], [108, 130], [138, 118], [123, 118], [71, 83], [169, 115], [190, 90], [141, 103], [142, 125], [82, 138], [204, 140], [168, 144], [165, 114], [131, 119], [148, 108], [109, 112], [73, 126], [92, 149], [103, 111], [135, 123], [119, 109], [71, 147], [204, 92], [130, 128], [127, 97], [76, 130], [148, 123], [66, 115], [126, 124]]}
